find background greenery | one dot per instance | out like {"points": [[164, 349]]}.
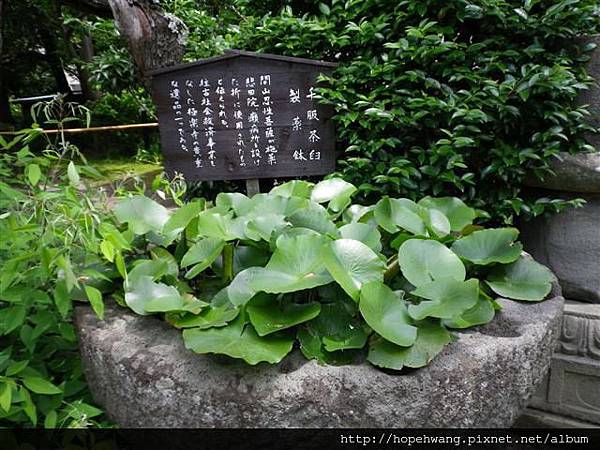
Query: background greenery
{"points": [[436, 98], [432, 97]]}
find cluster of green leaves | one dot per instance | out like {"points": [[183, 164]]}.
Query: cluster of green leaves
{"points": [[461, 97], [250, 277], [50, 239]]}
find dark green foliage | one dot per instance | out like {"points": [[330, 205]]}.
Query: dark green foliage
{"points": [[252, 277], [447, 97]]}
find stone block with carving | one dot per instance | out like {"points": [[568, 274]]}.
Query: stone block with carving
{"points": [[572, 386]]}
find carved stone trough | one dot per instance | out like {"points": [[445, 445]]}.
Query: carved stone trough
{"points": [[140, 372]]}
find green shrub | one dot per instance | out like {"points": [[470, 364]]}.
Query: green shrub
{"points": [[447, 97], [50, 233], [250, 277]]}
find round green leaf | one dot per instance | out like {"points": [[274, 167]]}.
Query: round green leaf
{"points": [[354, 338], [351, 263], [142, 214], [448, 298], [144, 291], [270, 317], [422, 261], [316, 218], [393, 214], [203, 253], [525, 279], [459, 215], [235, 201], [365, 233], [431, 339], [436, 222], [264, 225], [181, 219], [488, 246], [483, 312], [208, 318], [238, 340], [295, 265], [335, 191], [386, 313], [294, 188]]}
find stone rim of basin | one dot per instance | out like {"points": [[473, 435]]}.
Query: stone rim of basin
{"points": [[139, 370], [572, 173]]}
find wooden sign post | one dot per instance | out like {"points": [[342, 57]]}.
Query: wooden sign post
{"points": [[244, 115]]}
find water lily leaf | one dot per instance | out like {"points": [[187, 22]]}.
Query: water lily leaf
{"points": [[270, 317], [216, 225], [316, 218], [311, 345], [244, 257], [448, 298], [355, 213], [212, 317], [239, 340], [142, 214], [143, 290], [354, 338], [154, 268], [367, 234], [263, 226], [488, 246], [393, 214], [336, 328], [295, 265], [181, 219], [431, 339], [525, 279], [483, 312], [235, 201], [435, 221], [162, 254], [203, 253], [239, 291], [335, 191], [351, 263], [422, 261], [459, 215], [294, 188], [386, 313]]}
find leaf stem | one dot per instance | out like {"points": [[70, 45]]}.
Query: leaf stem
{"points": [[228, 262], [391, 269]]}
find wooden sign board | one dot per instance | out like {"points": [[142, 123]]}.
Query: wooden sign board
{"points": [[244, 115]]}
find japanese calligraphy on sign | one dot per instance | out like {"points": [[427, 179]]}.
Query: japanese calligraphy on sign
{"points": [[244, 115]]}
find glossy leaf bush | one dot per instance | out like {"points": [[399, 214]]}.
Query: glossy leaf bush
{"points": [[303, 266], [458, 97]]}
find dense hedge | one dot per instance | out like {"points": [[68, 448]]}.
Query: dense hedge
{"points": [[449, 97]]}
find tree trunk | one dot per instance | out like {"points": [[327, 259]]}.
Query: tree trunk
{"points": [[87, 54], [155, 38], [6, 118]]}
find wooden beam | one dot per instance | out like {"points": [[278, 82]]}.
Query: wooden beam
{"points": [[85, 130]]}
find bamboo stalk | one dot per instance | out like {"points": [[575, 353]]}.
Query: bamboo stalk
{"points": [[85, 130]]}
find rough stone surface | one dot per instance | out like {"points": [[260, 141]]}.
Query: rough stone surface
{"points": [[534, 418], [140, 372], [573, 173], [591, 96], [569, 244], [572, 386]]}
